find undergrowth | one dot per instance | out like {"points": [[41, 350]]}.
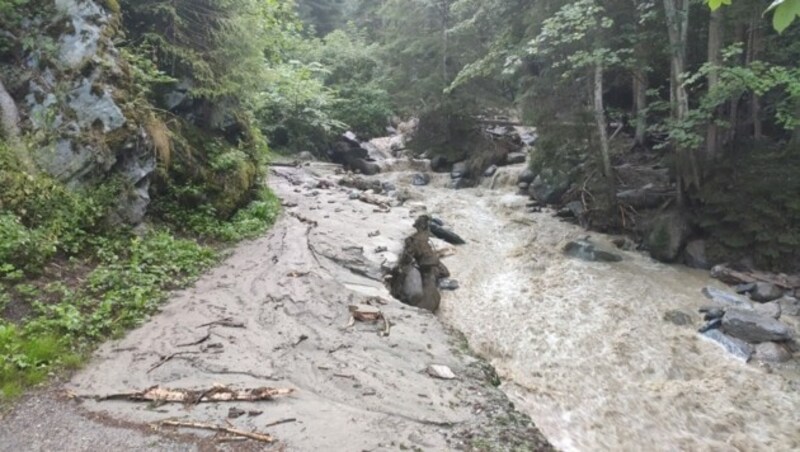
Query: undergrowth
{"points": [[78, 280]]}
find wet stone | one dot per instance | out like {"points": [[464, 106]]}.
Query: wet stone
{"points": [[678, 318], [753, 327], [771, 352], [765, 292]]}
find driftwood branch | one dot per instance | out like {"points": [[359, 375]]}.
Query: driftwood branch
{"points": [[218, 428], [158, 394]]}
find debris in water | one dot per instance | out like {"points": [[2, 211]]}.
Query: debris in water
{"points": [[446, 234]]}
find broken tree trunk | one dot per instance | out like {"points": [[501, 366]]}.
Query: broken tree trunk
{"points": [[215, 394]]}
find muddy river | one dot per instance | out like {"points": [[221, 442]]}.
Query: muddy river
{"points": [[583, 347]]}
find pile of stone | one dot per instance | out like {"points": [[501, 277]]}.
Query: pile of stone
{"points": [[752, 326]]}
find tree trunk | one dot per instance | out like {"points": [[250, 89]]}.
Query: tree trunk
{"points": [[714, 58], [733, 108], [640, 86], [677, 12], [600, 118], [754, 49], [640, 81]]}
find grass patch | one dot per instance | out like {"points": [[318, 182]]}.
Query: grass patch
{"points": [[69, 280]]}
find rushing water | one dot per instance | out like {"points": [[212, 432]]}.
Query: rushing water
{"points": [[583, 347]]}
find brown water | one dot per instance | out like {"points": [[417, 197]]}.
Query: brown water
{"points": [[583, 347]]}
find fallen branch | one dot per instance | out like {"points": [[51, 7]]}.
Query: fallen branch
{"points": [[197, 342], [165, 359], [227, 322], [218, 428], [282, 421], [215, 394]]}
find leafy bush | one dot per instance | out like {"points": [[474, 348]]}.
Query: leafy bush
{"points": [[751, 208]]}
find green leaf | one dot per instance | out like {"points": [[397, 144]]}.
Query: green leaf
{"points": [[785, 13], [716, 4]]}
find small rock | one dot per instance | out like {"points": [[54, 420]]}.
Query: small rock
{"points": [[712, 312], [790, 306], [755, 328], [353, 195], [459, 170], [374, 234], [771, 352], [738, 348], [764, 292], [448, 284], [523, 186], [234, 413], [771, 309], [678, 318], [624, 243], [490, 171], [420, 179], [586, 250], [388, 186], [713, 324], [745, 288], [441, 372], [381, 249], [515, 158]]}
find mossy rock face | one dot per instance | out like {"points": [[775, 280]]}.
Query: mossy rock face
{"points": [[234, 188], [667, 236]]}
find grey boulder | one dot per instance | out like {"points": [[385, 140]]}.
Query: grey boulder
{"points": [[753, 327]]}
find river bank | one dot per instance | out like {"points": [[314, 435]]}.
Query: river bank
{"points": [[274, 314]]}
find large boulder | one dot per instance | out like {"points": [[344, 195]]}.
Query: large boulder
{"points": [[667, 236], [695, 255], [755, 328], [515, 158], [527, 175], [549, 186]]}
